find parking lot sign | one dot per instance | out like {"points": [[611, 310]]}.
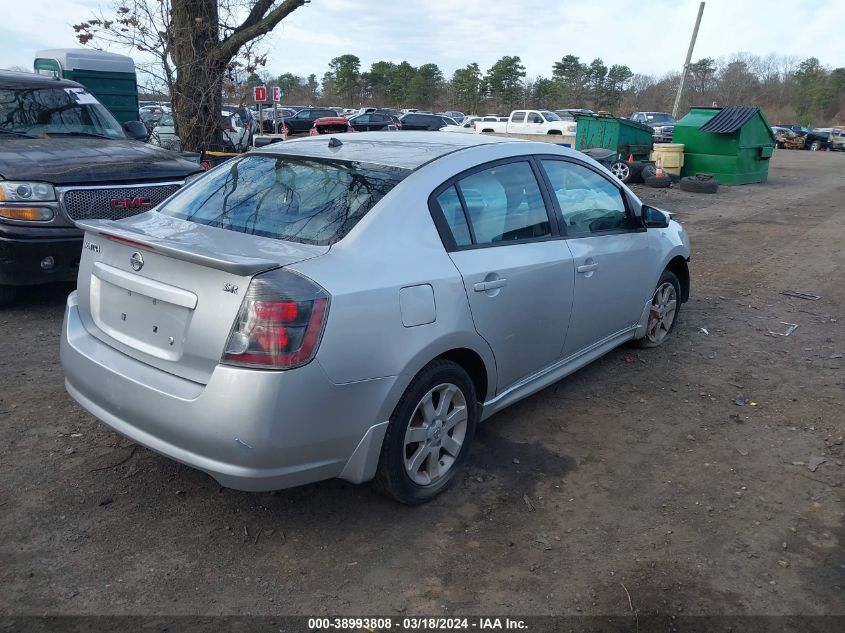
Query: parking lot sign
{"points": [[277, 94], [260, 93]]}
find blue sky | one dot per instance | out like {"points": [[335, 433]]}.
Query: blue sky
{"points": [[650, 36]]}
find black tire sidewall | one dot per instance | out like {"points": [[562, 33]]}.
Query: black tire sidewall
{"points": [[391, 477], [647, 171], [696, 185], [658, 182]]}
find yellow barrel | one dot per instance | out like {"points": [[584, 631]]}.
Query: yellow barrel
{"points": [[671, 156]]}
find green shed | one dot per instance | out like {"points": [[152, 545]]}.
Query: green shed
{"points": [[733, 144], [618, 135], [108, 76]]}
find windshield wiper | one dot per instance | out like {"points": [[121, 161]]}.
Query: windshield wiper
{"points": [[89, 134], [16, 133]]}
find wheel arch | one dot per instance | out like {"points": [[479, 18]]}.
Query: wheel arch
{"points": [[678, 265], [475, 357]]}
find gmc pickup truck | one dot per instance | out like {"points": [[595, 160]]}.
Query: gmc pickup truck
{"points": [[528, 122], [63, 158]]}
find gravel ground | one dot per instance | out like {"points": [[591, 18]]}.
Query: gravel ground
{"points": [[637, 475]]}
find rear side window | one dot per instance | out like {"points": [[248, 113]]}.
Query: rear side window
{"points": [[453, 213], [589, 203], [518, 117], [284, 197], [504, 204]]}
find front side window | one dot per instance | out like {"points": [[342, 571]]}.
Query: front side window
{"points": [[289, 198], [589, 203], [504, 204]]}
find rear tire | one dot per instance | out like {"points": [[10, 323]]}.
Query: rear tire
{"points": [[8, 294], [815, 146], [429, 434]]}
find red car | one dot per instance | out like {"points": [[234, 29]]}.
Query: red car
{"points": [[330, 125]]}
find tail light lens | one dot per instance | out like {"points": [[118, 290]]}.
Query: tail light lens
{"points": [[280, 323]]}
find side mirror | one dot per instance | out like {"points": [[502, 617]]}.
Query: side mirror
{"points": [[654, 218], [136, 130]]}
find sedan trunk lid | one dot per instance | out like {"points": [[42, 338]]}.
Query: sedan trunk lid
{"points": [[166, 291]]}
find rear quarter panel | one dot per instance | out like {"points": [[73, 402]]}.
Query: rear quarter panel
{"points": [[395, 245]]}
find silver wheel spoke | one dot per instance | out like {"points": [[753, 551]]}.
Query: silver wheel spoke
{"points": [[434, 463], [427, 409], [445, 401], [418, 459], [459, 414], [416, 434], [451, 445]]}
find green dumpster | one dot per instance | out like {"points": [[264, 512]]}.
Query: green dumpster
{"points": [[618, 135], [108, 76], [733, 144]]}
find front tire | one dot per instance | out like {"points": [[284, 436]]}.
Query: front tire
{"points": [[815, 146], [429, 434], [663, 314]]}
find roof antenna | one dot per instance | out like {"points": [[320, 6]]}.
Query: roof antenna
{"points": [[334, 142]]}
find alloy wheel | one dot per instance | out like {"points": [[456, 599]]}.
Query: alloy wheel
{"points": [[621, 170], [664, 306], [435, 434]]}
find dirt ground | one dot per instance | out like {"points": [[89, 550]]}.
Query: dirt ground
{"points": [[639, 470]]}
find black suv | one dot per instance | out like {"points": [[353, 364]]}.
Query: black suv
{"points": [[63, 157], [822, 138], [429, 122], [374, 121], [301, 122]]}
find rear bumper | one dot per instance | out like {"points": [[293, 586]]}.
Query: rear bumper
{"points": [[249, 429], [22, 249]]}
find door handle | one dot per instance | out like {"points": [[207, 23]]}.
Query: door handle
{"points": [[587, 268], [483, 286]]}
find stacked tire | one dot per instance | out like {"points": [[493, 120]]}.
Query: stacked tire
{"points": [[700, 183]]}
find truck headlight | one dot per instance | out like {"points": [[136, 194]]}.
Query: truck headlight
{"points": [[11, 191]]}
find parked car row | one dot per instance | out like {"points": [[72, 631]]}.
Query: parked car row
{"points": [[816, 139]]}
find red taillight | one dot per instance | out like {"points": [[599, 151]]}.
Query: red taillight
{"points": [[473, 125], [277, 311], [280, 322], [232, 129]]}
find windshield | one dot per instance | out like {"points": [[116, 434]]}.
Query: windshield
{"points": [[550, 116], [659, 117], [40, 111], [289, 198]]}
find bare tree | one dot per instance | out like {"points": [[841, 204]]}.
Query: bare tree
{"points": [[192, 45]]}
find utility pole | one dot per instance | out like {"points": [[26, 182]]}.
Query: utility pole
{"points": [[686, 63]]}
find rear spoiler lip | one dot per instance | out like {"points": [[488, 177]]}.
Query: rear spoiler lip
{"points": [[234, 264]]}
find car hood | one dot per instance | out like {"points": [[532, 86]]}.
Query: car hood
{"points": [[76, 160]]}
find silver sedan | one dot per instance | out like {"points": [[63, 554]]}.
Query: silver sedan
{"points": [[354, 307]]}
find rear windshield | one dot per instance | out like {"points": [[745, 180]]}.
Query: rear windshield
{"points": [[303, 200]]}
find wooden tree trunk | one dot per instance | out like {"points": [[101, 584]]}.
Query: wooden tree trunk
{"points": [[198, 86]]}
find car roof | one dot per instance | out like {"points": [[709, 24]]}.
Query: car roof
{"points": [[11, 77], [406, 150]]}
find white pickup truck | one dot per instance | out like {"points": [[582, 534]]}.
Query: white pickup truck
{"points": [[528, 122]]}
